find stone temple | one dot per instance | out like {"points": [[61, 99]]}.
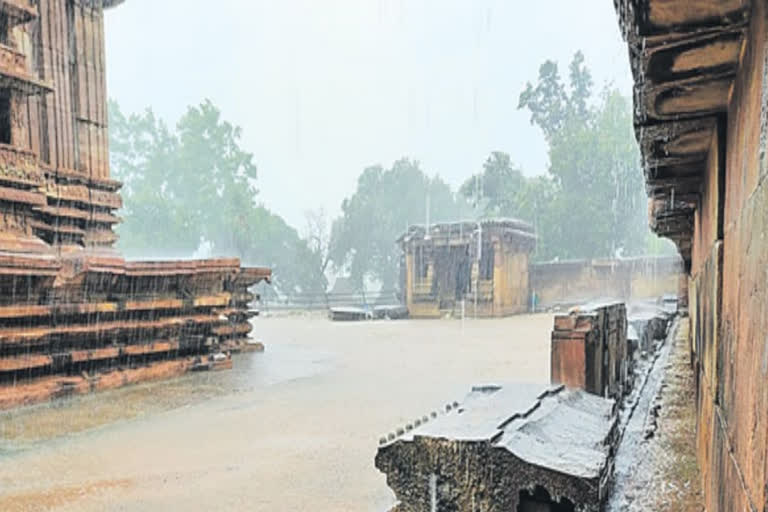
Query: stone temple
{"points": [[74, 315]]}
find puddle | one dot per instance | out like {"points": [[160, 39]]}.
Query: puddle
{"points": [[26, 427]]}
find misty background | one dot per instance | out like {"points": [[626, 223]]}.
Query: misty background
{"points": [[323, 89]]}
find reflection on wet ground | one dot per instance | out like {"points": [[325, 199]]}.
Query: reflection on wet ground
{"points": [[293, 428], [25, 427]]}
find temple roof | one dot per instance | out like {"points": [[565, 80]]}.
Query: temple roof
{"points": [[511, 227], [106, 4], [684, 57]]}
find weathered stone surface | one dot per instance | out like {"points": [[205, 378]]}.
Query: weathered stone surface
{"points": [[568, 283], [684, 56], [484, 264], [504, 447], [590, 351], [74, 315], [688, 51]]}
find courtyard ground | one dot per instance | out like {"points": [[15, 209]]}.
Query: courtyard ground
{"points": [[294, 428]]}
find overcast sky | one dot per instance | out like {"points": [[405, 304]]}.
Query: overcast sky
{"points": [[324, 88]]}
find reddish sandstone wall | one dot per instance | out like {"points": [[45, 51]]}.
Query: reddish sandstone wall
{"points": [[589, 350], [729, 296], [75, 316], [65, 48]]}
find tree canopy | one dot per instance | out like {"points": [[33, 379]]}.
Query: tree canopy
{"points": [[594, 163], [384, 204], [590, 202], [194, 188]]}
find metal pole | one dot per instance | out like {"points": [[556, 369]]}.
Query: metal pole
{"points": [[479, 255]]}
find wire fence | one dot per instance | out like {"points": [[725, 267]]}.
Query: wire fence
{"points": [[320, 301]]}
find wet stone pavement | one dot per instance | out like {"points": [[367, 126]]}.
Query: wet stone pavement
{"points": [[656, 465], [28, 427], [293, 428]]}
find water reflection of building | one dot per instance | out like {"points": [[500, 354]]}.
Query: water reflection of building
{"points": [[480, 265]]}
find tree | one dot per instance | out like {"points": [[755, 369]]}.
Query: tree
{"points": [[384, 204], [508, 193], [552, 107], [195, 188], [597, 184], [590, 202], [279, 246], [142, 148], [318, 238], [501, 185]]}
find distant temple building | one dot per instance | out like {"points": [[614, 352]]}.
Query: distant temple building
{"points": [[482, 265]]}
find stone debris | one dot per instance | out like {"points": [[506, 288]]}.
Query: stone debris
{"points": [[357, 313], [529, 447], [504, 447], [590, 351]]}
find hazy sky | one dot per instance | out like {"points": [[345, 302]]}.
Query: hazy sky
{"points": [[323, 88]]}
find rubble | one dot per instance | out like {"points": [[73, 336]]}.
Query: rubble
{"points": [[352, 313], [590, 350], [530, 447], [505, 447], [650, 321]]}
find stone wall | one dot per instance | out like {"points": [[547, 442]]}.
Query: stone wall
{"points": [[75, 316], [729, 296], [701, 115], [580, 281], [448, 266]]}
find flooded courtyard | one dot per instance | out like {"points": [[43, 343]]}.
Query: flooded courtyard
{"points": [[293, 428]]}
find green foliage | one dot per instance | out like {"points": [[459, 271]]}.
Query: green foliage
{"points": [[552, 107], [195, 187], [596, 163], [501, 187], [385, 203], [591, 202]]}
